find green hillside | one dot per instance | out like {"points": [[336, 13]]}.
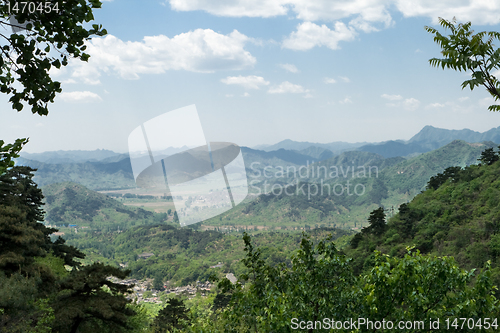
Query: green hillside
{"points": [[458, 215], [412, 175], [387, 182], [95, 175], [183, 255], [71, 203]]}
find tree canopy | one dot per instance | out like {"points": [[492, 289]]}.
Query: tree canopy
{"points": [[47, 37], [468, 51], [33, 267], [8, 152]]}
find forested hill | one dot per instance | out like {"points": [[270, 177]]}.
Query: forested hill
{"points": [[183, 255], [458, 215], [95, 175], [392, 181], [71, 203], [412, 174]]}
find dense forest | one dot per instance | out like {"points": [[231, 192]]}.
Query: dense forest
{"points": [[302, 277], [457, 215], [185, 256]]}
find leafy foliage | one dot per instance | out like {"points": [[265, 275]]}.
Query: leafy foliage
{"points": [[172, 317], [25, 56], [457, 215], [377, 221], [8, 152], [87, 298], [183, 256], [35, 288], [464, 50], [488, 156], [320, 284]]}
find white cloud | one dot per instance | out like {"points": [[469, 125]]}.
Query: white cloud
{"points": [[87, 74], [411, 104], [363, 25], [245, 94], [345, 78], [329, 80], [487, 101], [363, 13], [435, 105], [392, 97], [236, 8], [289, 67], [201, 50], [248, 82], [346, 100], [463, 99], [68, 81], [309, 35], [287, 87], [478, 12], [80, 97]]}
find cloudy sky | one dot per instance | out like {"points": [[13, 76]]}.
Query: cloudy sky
{"points": [[263, 71]]}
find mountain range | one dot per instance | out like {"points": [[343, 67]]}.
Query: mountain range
{"points": [[429, 138], [396, 180], [104, 169]]}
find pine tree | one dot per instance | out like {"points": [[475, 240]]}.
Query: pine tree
{"points": [[82, 296], [488, 156], [87, 297], [171, 317], [377, 221]]}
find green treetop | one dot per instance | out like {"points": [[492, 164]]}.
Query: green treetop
{"points": [[27, 56], [464, 50]]}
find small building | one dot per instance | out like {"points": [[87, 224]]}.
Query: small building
{"points": [[219, 264], [145, 255], [231, 277]]}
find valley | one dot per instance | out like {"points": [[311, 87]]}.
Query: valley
{"points": [[294, 198]]}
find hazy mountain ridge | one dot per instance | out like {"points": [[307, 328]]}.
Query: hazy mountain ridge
{"points": [[427, 139], [70, 156], [317, 153], [290, 156], [336, 147], [395, 180], [94, 175], [430, 138], [458, 217], [413, 174], [113, 170]]}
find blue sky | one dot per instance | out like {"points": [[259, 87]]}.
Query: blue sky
{"points": [[262, 71]]}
